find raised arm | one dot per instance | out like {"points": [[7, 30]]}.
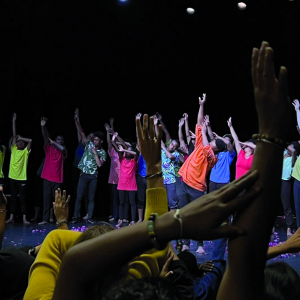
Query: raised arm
{"points": [[111, 122], [200, 118], [77, 114], [79, 129], [235, 137], [244, 278], [167, 134], [209, 130], [108, 134], [44, 131], [226, 141], [187, 128], [204, 136], [297, 109], [26, 140], [14, 139], [180, 134]]}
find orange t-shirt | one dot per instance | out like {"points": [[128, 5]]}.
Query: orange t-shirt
{"points": [[201, 160]]}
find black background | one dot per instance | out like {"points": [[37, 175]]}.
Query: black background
{"points": [[114, 59]]}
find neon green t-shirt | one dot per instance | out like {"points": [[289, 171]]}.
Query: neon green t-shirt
{"points": [[2, 155], [18, 163]]}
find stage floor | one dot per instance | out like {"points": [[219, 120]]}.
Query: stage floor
{"points": [[19, 235]]}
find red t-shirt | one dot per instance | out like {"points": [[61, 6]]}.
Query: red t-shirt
{"points": [[54, 164], [243, 165], [201, 160], [127, 179]]}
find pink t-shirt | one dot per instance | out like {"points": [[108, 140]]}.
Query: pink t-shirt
{"points": [[127, 179], [114, 166], [243, 165], [54, 164]]}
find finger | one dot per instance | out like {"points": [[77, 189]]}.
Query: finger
{"points": [[241, 202], [237, 186], [283, 81], [139, 129], [64, 195], [255, 53], [269, 73], [151, 128], [261, 60], [168, 261], [226, 231], [169, 273], [68, 200], [145, 127]]}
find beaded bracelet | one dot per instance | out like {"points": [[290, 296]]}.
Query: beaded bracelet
{"points": [[267, 139], [152, 235], [61, 222], [158, 174]]}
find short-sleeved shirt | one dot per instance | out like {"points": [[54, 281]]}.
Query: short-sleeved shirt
{"points": [[220, 173], [78, 153], [296, 170], [142, 166], [54, 164], [18, 163], [88, 164], [243, 165], [200, 161], [114, 166], [127, 179], [168, 165], [2, 156], [287, 168]]}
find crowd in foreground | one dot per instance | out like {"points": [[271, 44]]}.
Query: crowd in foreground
{"points": [[138, 261]]}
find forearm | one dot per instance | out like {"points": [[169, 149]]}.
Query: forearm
{"points": [[44, 132], [59, 147], [98, 160], [204, 140], [168, 153], [129, 151], [298, 117], [165, 130], [246, 265], [236, 139], [25, 140], [180, 135], [108, 140], [14, 129], [276, 250], [200, 118], [210, 133]]}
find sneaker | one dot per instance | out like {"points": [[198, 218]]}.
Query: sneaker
{"points": [[111, 219], [74, 220], [43, 223], [91, 221], [85, 217]]}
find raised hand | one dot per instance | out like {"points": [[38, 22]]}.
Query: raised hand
{"points": [[14, 117], [206, 120], [149, 145], [158, 116], [229, 123], [185, 116], [203, 100], [181, 122], [296, 104], [61, 206], [111, 121], [106, 127], [43, 121], [3, 200], [270, 92]]}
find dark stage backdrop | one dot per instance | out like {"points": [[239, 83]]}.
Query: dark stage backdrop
{"points": [[113, 59]]}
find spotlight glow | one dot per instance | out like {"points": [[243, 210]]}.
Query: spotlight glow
{"points": [[190, 10], [242, 5]]}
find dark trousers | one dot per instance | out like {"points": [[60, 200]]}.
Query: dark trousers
{"points": [[114, 196], [297, 200], [213, 186], [86, 182], [188, 194], [75, 179], [286, 199], [141, 192], [171, 195], [18, 187], [124, 196], [49, 188]]}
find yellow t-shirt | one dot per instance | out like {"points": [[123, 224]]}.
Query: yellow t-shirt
{"points": [[2, 155], [18, 163], [296, 170]]}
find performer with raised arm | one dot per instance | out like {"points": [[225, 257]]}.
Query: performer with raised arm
{"points": [[92, 159], [55, 155], [18, 172]]}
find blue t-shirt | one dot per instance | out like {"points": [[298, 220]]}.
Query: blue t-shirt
{"points": [[78, 153], [168, 166], [220, 173], [142, 166]]}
